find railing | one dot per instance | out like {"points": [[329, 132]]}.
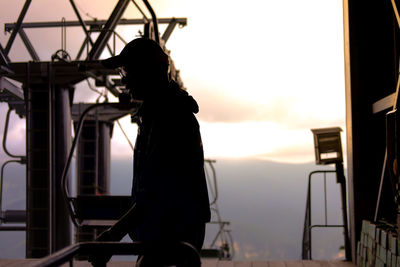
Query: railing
{"points": [[10, 216], [308, 227], [178, 253]]}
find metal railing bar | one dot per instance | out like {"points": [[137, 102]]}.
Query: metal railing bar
{"points": [[326, 225], [155, 22], [325, 198], [5, 137], [12, 228], [108, 248], [307, 244], [10, 26]]}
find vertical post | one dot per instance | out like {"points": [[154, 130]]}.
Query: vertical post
{"points": [[93, 164], [48, 143], [62, 140], [105, 134], [107, 30], [342, 181], [39, 168]]}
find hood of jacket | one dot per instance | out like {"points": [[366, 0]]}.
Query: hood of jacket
{"points": [[172, 99]]}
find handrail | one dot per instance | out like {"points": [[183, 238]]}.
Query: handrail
{"points": [[223, 234], [307, 241], [154, 18], [1, 182], [116, 248], [22, 158]]}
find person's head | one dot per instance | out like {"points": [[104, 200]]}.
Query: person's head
{"points": [[144, 66]]}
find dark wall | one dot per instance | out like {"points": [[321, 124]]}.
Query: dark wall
{"points": [[370, 32]]}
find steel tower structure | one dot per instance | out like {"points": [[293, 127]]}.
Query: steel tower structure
{"points": [[46, 101]]}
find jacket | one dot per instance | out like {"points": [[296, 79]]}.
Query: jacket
{"points": [[169, 182]]}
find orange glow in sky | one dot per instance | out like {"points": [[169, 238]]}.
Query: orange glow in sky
{"points": [[263, 72]]}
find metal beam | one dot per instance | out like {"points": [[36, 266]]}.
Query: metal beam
{"points": [[10, 92], [81, 21], [4, 60], [384, 103], [91, 23], [17, 26], [80, 52], [28, 45], [107, 30], [169, 30]]}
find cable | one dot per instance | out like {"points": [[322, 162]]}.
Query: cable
{"points": [[140, 10], [84, 12], [120, 37], [91, 87], [129, 141]]}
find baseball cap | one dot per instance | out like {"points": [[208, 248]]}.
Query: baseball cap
{"points": [[137, 51]]}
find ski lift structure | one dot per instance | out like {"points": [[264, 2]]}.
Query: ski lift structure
{"points": [[42, 92]]}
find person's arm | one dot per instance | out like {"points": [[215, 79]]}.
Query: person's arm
{"points": [[122, 226]]}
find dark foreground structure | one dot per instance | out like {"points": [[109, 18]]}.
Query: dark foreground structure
{"points": [[372, 83], [45, 100], [372, 59]]}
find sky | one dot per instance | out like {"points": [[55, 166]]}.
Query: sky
{"points": [[263, 72]]}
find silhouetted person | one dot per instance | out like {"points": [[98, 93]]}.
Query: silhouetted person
{"points": [[169, 186]]}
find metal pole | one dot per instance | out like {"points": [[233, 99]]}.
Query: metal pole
{"points": [[81, 21], [1, 181], [28, 45], [17, 26], [62, 136], [326, 204], [309, 218], [154, 17], [4, 60], [342, 181], [91, 23], [109, 27]]}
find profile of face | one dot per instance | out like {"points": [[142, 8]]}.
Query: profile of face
{"points": [[143, 80]]}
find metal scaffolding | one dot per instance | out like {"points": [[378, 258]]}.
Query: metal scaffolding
{"points": [[45, 99]]}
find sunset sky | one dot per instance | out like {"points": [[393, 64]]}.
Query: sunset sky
{"points": [[263, 72]]}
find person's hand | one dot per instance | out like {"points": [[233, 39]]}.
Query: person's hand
{"points": [[105, 236], [101, 260]]}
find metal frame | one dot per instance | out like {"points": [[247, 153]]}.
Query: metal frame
{"points": [[18, 159], [64, 188], [17, 26], [308, 226], [108, 28], [91, 23], [44, 84], [226, 249]]}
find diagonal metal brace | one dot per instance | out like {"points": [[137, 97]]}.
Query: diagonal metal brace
{"points": [[4, 60], [17, 26], [108, 29], [81, 21], [169, 29], [28, 45]]}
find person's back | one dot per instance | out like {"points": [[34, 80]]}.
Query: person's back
{"points": [[169, 186]]}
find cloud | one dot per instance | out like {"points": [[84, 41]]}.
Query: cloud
{"points": [[295, 153], [217, 107]]}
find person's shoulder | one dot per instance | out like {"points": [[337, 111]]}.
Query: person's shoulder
{"points": [[182, 101]]}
